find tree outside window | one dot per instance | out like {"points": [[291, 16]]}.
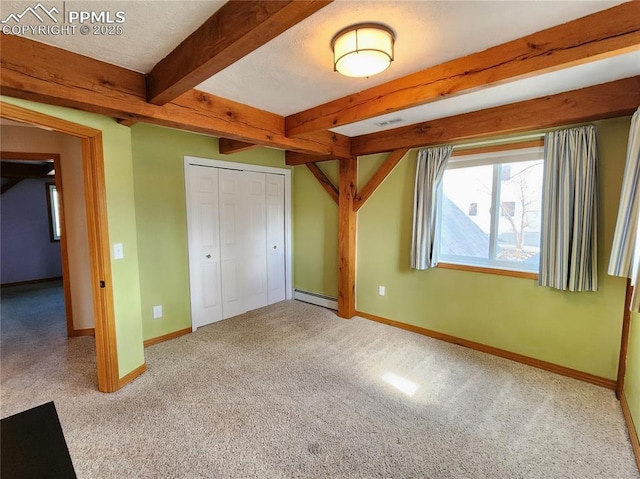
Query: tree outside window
{"points": [[510, 238]]}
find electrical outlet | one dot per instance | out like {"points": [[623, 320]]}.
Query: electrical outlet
{"points": [[157, 312], [382, 290]]}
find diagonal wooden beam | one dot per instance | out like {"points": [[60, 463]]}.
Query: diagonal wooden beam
{"points": [[227, 146], [235, 30], [39, 72], [608, 100], [593, 37], [376, 180], [9, 184], [293, 158], [324, 181]]}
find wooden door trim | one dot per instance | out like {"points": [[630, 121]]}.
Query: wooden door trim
{"points": [[97, 228], [64, 250]]}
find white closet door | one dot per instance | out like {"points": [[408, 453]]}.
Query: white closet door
{"points": [[204, 248], [255, 265], [232, 241], [275, 238]]}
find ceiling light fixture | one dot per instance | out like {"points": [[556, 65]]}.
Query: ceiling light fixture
{"points": [[363, 50]]}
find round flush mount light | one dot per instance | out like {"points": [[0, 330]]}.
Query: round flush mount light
{"points": [[363, 50]]}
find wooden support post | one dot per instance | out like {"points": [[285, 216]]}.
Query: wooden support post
{"points": [[348, 185]]}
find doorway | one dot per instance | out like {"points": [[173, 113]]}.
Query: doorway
{"points": [[99, 256], [44, 170], [239, 236]]}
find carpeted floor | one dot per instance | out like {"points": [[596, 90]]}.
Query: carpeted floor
{"points": [[293, 391]]}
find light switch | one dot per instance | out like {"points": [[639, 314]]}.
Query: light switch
{"points": [[118, 251]]}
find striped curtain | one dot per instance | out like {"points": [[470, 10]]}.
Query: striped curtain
{"points": [[429, 172], [568, 245], [625, 251]]}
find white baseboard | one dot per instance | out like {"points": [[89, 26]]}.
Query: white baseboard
{"points": [[317, 299]]}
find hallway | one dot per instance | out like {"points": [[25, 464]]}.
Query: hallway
{"points": [[35, 352]]}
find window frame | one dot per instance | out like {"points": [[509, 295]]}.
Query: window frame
{"points": [[496, 156]]}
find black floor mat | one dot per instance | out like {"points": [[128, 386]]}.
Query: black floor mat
{"points": [[32, 445]]}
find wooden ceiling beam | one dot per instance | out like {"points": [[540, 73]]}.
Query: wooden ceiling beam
{"points": [[11, 169], [42, 73], [608, 100], [127, 122], [235, 30], [227, 146], [589, 38]]}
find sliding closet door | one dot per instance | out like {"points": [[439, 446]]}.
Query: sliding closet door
{"points": [[236, 222], [204, 247], [275, 238]]}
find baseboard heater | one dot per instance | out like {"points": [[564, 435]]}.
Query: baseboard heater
{"points": [[317, 299]]}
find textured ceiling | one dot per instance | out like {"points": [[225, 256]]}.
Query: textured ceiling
{"points": [[152, 29], [609, 69], [293, 72]]}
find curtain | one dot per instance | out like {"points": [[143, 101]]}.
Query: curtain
{"points": [[568, 245], [625, 251], [429, 172]]}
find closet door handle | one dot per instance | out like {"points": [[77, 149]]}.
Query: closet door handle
{"points": [[275, 247], [208, 256]]}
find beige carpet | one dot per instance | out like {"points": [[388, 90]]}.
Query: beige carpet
{"points": [[293, 391]]}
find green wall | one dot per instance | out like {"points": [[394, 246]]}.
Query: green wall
{"points": [[121, 224], [315, 232], [160, 205], [576, 330], [144, 167], [632, 376]]}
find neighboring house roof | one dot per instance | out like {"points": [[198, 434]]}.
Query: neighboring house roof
{"points": [[459, 235]]}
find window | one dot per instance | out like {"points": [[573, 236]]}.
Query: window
{"points": [[508, 208], [502, 194], [54, 212]]}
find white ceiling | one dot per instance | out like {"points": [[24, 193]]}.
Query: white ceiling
{"points": [[152, 29], [594, 73], [294, 71]]}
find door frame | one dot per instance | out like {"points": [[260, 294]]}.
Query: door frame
{"points": [[288, 225], [97, 229]]}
